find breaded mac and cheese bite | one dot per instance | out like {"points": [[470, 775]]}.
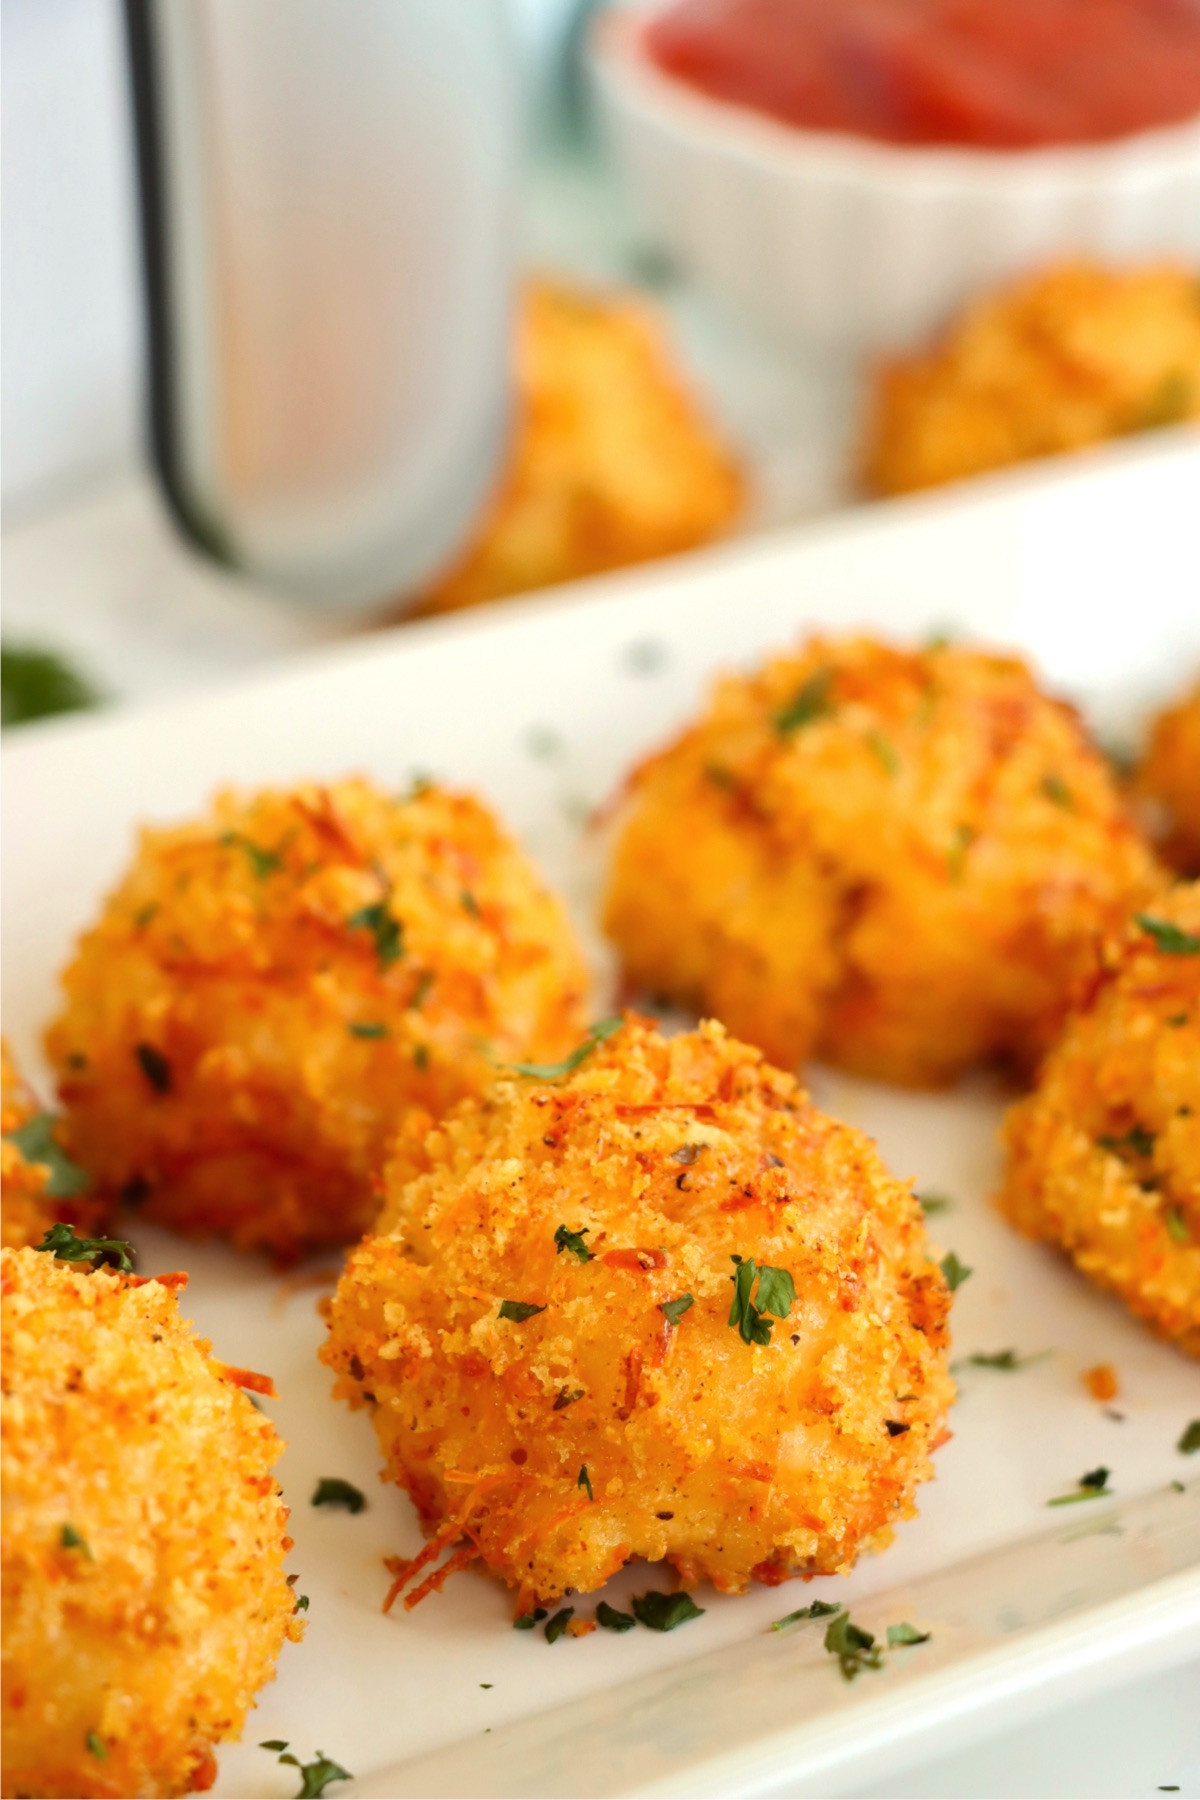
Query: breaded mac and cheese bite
{"points": [[271, 988], [1104, 1155], [39, 1184], [650, 1305], [144, 1596], [1169, 778], [1060, 360], [894, 859], [612, 461]]}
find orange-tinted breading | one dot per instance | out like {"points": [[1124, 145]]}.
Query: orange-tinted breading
{"points": [[33, 1194], [612, 461], [271, 987], [667, 1160], [895, 859], [1065, 358], [1104, 1155], [143, 1540], [1169, 778]]}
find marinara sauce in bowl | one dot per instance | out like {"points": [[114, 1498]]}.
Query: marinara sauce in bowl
{"points": [[852, 170]]}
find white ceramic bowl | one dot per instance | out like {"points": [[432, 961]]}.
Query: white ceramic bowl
{"points": [[859, 246]]}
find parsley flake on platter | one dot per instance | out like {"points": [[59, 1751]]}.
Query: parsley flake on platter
{"points": [[331, 1490], [820, 1609], [1092, 1486], [665, 1612]]}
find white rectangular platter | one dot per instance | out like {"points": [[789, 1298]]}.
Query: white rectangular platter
{"points": [[541, 707]]}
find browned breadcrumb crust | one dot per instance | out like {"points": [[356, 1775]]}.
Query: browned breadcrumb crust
{"points": [[897, 859], [144, 1596], [271, 987], [612, 461], [26, 1210], [1104, 1155], [1169, 778], [1065, 358], [732, 1461]]}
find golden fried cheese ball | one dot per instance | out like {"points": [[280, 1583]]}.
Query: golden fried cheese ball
{"points": [[1104, 1155], [894, 858], [543, 1329], [39, 1184], [1062, 359], [1170, 778], [143, 1538], [270, 988], [612, 461]]}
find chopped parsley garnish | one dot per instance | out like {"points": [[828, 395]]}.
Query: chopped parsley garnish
{"points": [[646, 657], [609, 1619], [470, 904], [904, 1633], [934, 1203], [331, 1490], [1092, 1486], [420, 992], [854, 1648], [776, 1295], [421, 1057], [37, 1143], [1177, 1225], [63, 1244], [367, 1029], [264, 862], [820, 1609], [558, 1624], [70, 1539], [585, 1481], [301, 1603], [573, 1241], [154, 1067], [1056, 790], [665, 1612], [387, 932], [1171, 939], [673, 1310], [1137, 1139], [809, 702], [96, 1746], [37, 684], [544, 743], [605, 1028], [955, 1272], [882, 747], [1007, 1361], [527, 1621], [1189, 1443], [315, 1776], [519, 1310]]}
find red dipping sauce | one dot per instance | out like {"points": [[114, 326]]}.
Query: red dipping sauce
{"points": [[990, 74]]}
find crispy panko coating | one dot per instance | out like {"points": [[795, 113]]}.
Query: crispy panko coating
{"points": [[732, 1460], [144, 1596], [894, 859], [38, 1183], [1104, 1155], [271, 987], [612, 461], [1069, 357], [1169, 778]]}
